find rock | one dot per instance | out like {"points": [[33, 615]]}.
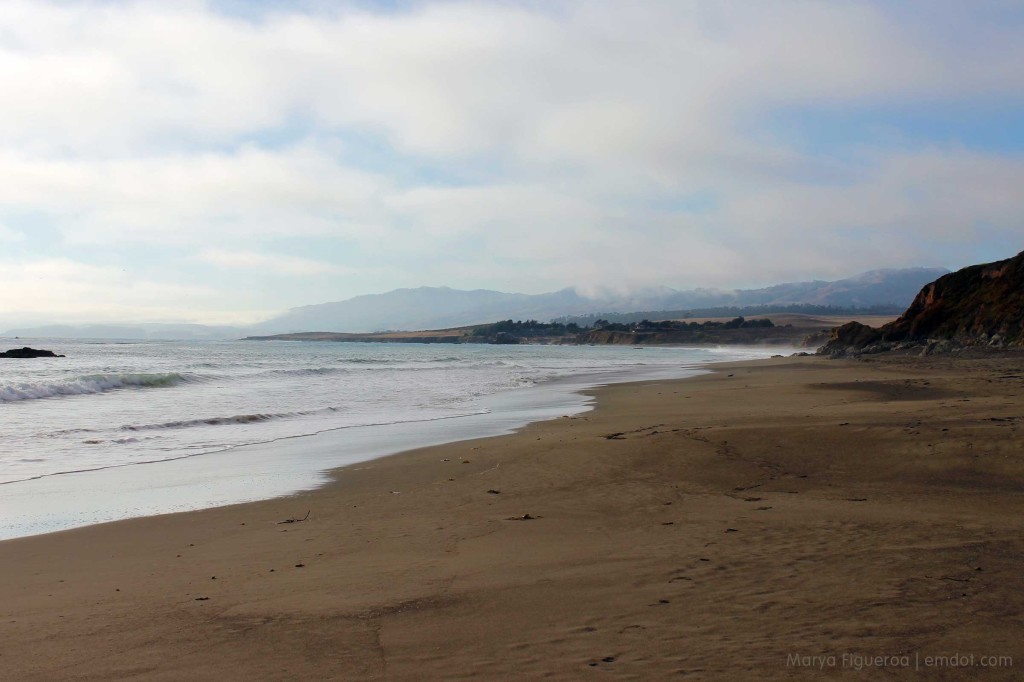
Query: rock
{"points": [[27, 352], [940, 347], [851, 338], [980, 305], [504, 339], [815, 340]]}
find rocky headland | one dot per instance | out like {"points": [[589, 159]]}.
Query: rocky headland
{"points": [[981, 306]]}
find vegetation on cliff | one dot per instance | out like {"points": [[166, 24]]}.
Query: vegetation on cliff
{"points": [[738, 330], [596, 320]]}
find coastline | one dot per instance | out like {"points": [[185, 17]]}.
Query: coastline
{"points": [[707, 526], [264, 469]]}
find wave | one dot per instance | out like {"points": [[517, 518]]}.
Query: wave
{"points": [[232, 446], [87, 385], [399, 361], [225, 421], [363, 364], [305, 371]]}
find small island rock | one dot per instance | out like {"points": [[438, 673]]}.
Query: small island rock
{"points": [[27, 352]]}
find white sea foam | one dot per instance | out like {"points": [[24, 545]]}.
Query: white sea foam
{"points": [[86, 385], [103, 406]]}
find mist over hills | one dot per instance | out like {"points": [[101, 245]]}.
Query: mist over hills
{"points": [[442, 307]]}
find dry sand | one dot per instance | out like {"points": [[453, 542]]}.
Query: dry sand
{"points": [[793, 507]]}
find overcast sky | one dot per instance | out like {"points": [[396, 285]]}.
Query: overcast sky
{"points": [[222, 161]]}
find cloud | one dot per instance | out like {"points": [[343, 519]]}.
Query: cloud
{"points": [[7, 235], [179, 198], [60, 288], [584, 79], [275, 264], [524, 145]]}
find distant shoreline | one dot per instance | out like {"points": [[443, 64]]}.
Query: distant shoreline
{"points": [[793, 330]]}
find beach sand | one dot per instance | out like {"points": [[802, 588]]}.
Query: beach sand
{"points": [[729, 526]]}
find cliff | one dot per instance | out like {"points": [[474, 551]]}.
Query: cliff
{"points": [[980, 305]]}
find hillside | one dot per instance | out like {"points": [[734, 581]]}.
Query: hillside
{"points": [[421, 308], [878, 291], [980, 305], [781, 330], [442, 307]]}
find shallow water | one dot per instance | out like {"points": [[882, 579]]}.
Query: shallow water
{"points": [[116, 430]]}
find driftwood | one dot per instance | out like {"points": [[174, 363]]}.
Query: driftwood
{"points": [[295, 520]]}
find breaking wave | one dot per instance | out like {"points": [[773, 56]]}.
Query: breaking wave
{"points": [[215, 421], [87, 385], [305, 372]]}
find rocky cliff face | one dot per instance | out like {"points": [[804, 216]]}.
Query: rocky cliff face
{"points": [[981, 305]]}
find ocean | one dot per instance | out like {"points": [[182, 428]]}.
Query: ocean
{"points": [[121, 429]]}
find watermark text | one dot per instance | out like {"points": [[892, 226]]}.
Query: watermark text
{"points": [[914, 661]]}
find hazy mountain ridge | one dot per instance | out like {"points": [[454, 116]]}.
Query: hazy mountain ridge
{"points": [[441, 307]]}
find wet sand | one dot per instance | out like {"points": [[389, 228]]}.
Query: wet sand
{"points": [[756, 523]]}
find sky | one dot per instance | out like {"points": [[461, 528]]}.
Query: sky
{"points": [[221, 161]]}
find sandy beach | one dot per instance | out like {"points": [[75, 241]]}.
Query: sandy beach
{"points": [[782, 519]]}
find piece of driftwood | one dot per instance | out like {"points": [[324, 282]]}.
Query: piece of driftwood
{"points": [[295, 520]]}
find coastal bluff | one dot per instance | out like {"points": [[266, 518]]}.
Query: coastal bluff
{"points": [[978, 306]]}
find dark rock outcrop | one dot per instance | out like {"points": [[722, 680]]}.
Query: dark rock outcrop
{"points": [[504, 338], [980, 305], [27, 352], [851, 336]]}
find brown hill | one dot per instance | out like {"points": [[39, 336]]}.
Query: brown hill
{"points": [[980, 305]]}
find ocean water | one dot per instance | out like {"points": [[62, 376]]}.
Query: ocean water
{"points": [[121, 429]]}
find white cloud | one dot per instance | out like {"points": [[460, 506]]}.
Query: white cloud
{"points": [[60, 288], [464, 78], [185, 198], [275, 264], [573, 127], [7, 235]]}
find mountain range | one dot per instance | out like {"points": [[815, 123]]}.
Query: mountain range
{"points": [[442, 307]]}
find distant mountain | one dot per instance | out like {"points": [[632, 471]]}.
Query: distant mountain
{"points": [[146, 331], [981, 305], [423, 308], [874, 288], [441, 307]]}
